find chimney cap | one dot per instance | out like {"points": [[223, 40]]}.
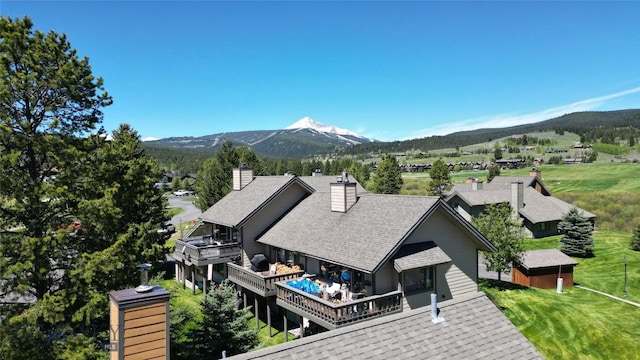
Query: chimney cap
{"points": [[144, 278]]}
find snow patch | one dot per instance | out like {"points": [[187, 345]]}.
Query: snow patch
{"points": [[308, 123]]}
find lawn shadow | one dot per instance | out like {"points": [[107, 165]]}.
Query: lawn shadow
{"points": [[501, 285]]}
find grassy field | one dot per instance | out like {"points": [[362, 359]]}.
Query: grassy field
{"points": [[580, 324], [605, 271], [577, 324], [609, 190]]}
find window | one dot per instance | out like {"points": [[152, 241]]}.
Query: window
{"points": [[417, 280], [544, 226]]}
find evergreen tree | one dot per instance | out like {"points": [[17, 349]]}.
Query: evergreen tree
{"points": [[497, 225], [576, 230], [212, 184], [222, 327], [387, 179], [440, 182], [494, 170], [635, 239], [55, 174]]}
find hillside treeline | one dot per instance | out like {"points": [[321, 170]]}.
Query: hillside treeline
{"points": [[606, 126]]}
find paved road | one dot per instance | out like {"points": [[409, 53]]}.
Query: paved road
{"points": [[190, 212]]}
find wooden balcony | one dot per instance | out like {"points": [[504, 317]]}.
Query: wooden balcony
{"points": [[201, 251], [261, 283], [332, 315]]}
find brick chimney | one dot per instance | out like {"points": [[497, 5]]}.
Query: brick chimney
{"points": [[343, 193], [242, 176]]}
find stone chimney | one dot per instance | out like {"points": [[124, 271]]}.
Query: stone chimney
{"points": [[343, 193], [242, 176], [517, 199], [139, 322]]}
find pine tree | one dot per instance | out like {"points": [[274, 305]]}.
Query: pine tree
{"points": [[576, 239], [635, 239], [387, 179], [497, 225], [494, 170], [222, 327], [440, 176], [212, 184]]}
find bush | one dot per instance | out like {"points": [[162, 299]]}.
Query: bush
{"points": [[635, 239]]}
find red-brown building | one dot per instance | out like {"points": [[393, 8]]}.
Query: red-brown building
{"points": [[541, 269]]}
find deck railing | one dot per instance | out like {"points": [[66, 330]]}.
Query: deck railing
{"points": [[262, 284], [334, 315], [201, 253]]}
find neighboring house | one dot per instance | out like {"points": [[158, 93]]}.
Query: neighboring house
{"points": [[539, 212]]}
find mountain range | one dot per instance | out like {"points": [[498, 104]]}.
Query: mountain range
{"points": [[307, 137]]}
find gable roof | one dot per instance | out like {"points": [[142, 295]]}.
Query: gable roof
{"points": [[364, 237], [502, 183], [474, 328], [537, 208], [412, 256], [238, 206], [546, 258]]}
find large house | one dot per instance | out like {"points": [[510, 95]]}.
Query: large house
{"points": [[322, 252], [529, 198]]}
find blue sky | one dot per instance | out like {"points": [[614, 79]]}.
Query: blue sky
{"points": [[386, 70]]}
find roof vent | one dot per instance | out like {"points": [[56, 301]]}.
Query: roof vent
{"points": [[435, 312]]}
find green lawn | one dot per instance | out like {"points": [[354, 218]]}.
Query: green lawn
{"points": [[173, 211], [577, 324], [580, 324], [605, 271]]}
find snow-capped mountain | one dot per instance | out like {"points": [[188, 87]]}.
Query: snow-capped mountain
{"points": [[308, 123], [305, 137]]}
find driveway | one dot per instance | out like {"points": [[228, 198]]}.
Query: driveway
{"points": [[190, 213], [484, 274]]}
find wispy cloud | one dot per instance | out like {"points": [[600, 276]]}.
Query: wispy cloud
{"points": [[506, 120]]}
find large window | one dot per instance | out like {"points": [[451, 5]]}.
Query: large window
{"points": [[417, 280]]}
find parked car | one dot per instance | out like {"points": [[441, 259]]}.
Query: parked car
{"points": [[167, 230], [182, 192]]}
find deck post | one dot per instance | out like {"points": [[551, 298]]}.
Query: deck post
{"points": [[269, 317], [204, 282], [193, 279], [301, 327], [284, 320], [255, 311], [184, 278]]}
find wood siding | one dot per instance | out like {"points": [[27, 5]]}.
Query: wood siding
{"points": [[544, 278], [145, 331]]}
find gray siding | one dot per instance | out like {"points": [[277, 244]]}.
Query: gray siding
{"points": [[264, 218]]}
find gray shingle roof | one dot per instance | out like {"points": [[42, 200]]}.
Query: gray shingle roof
{"points": [[359, 238], [417, 256], [546, 258], [537, 207], [362, 238], [473, 329], [237, 206]]}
